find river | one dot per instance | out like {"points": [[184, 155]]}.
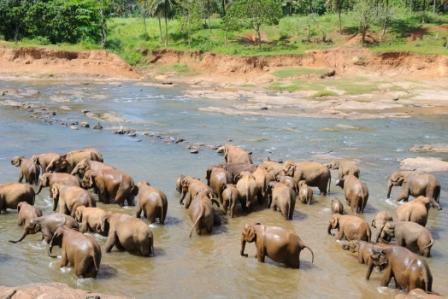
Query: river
{"points": [[208, 266]]}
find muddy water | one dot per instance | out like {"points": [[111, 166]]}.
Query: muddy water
{"points": [[203, 267]]}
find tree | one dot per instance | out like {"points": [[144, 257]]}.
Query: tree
{"points": [[165, 7], [365, 11], [256, 13], [145, 10], [337, 6], [191, 11]]}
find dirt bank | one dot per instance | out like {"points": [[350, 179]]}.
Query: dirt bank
{"points": [[48, 63], [49, 290]]}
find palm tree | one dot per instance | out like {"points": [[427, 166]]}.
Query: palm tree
{"points": [[159, 7]]}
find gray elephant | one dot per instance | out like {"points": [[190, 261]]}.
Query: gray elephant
{"points": [[415, 184], [345, 167], [315, 174], [356, 192]]}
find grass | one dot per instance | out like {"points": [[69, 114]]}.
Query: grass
{"points": [[292, 72], [177, 68]]}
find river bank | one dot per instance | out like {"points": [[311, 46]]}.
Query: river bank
{"points": [[348, 82]]}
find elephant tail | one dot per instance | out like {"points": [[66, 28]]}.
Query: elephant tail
{"points": [[430, 244], [437, 194], [312, 253], [329, 182], [97, 267], [201, 214]]}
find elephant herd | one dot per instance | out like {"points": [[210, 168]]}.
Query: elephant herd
{"points": [[235, 187]]}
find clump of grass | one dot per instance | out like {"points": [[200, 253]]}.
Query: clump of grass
{"points": [[281, 87], [178, 68], [353, 88], [299, 71], [325, 93]]}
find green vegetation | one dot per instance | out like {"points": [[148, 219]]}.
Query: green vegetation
{"points": [[132, 28], [177, 68], [292, 72]]}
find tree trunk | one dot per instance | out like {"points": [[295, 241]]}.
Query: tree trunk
{"points": [[103, 29], [434, 6], [340, 22], [160, 28], [166, 23], [257, 29]]}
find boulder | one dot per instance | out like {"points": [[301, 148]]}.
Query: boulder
{"points": [[424, 164]]}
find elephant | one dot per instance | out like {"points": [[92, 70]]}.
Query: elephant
{"points": [[408, 234], [233, 170], [283, 199], [47, 225], [315, 174], [381, 218], [80, 251], [43, 160], [279, 244], [350, 227], [337, 207], [246, 186], [288, 181], [70, 198], [25, 214], [86, 164], [128, 233], [408, 269], [190, 188], [418, 294], [68, 161], [111, 185], [217, 178], [152, 202], [273, 169], [90, 219], [235, 155], [28, 170], [415, 211], [179, 183], [260, 175], [364, 250], [49, 179], [305, 193], [11, 194], [345, 167], [229, 198], [415, 184], [201, 213], [356, 193]]}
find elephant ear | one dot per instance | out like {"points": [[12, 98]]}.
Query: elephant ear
{"points": [[249, 233], [335, 221], [19, 206]]}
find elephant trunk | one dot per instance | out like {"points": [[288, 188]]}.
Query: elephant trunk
{"points": [[39, 188], [243, 247], [389, 188], [50, 248], [25, 233], [379, 233]]}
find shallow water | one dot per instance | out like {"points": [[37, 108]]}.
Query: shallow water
{"points": [[209, 266]]}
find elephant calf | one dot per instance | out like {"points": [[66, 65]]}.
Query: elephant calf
{"points": [[283, 199], [337, 207], [128, 233], [85, 165], [25, 214], [408, 234], [152, 202], [409, 270], [345, 167], [43, 160], [11, 194], [356, 192], [217, 178], [29, 170], [415, 211], [90, 219], [81, 251], [246, 186], [70, 198], [229, 199], [201, 213], [68, 161], [279, 244], [349, 227], [305, 193]]}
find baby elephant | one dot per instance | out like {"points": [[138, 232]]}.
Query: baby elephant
{"points": [[409, 270], [229, 198], [337, 207], [408, 234], [70, 198], [201, 213], [305, 193], [29, 170], [349, 227], [279, 244], [90, 219], [128, 233], [283, 198], [25, 214], [152, 202], [356, 192], [80, 251], [415, 211]]}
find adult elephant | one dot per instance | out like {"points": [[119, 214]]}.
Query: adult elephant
{"points": [[235, 155], [69, 198], [349, 227], [190, 188], [152, 202], [229, 199], [217, 179], [111, 185], [47, 225], [201, 213], [50, 179], [345, 167], [11, 194], [28, 169], [415, 184], [356, 193], [283, 199], [415, 211], [86, 164], [90, 219], [128, 233], [246, 186], [43, 160], [408, 269], [261, 178], [408, 234], [314, 173], [80, 251], [279, 244], [273, 169], [68, 161]]}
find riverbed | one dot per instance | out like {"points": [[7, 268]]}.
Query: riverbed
{"points": [[164, 125]]}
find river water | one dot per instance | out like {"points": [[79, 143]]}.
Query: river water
{"points": [[208, 266]]}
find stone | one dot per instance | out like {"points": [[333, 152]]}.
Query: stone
{"points": [[85, 124], [424, 164], [97, 126]]}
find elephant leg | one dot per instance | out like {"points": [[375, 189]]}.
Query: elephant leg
{"points": [[139, 212], [111, 241], [387, 276], [261, 255], [430, 195], [404, 194], [233, 208], [339, 235], [83, 228], [120, 197], [64, 259], [20, 178], [370, 267]]}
